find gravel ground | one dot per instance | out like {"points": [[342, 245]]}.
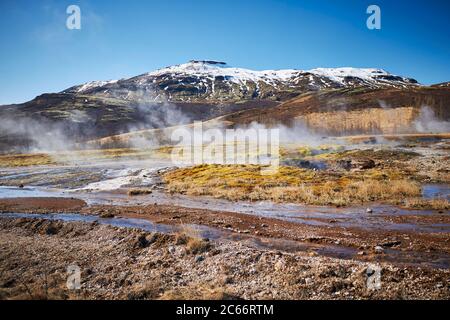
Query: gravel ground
{"points": [[117, 263]]}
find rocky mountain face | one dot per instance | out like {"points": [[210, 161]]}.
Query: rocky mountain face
{"points": [[216, 82]]}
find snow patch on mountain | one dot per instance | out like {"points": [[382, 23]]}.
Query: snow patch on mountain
{"points": [[92, 84], [339, 74], [202, 69]]}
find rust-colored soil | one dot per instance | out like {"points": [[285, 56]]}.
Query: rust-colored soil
{"points": [[41, 205]]}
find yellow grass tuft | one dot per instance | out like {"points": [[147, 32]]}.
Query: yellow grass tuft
{"points": [[240, 182], [432, 204], [23, 160], [197, 292], [194, 242]]}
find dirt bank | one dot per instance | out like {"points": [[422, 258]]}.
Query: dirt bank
{"points": [[128, 264], [403, 246], [41, 205]]}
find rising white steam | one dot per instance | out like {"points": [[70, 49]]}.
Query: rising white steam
{"points": [[428, 122]]}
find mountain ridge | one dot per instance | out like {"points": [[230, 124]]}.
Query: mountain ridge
{"points": [[215, 81]]}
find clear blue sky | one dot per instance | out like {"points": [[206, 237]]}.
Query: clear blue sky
{"points": [[125, 38]]}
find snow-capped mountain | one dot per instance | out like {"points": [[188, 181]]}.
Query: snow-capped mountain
{"points": [[212, 81], [206, 90]]}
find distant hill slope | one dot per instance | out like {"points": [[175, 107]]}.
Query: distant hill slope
{"points": [[442, 85], [334, 112], [359, 111]]}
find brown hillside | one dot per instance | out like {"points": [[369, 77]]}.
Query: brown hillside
{"points": [[354, 111]]}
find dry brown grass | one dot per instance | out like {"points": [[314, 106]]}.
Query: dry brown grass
{"points": [[41, 287], [148, 290], [197, 292], [137, 192], [23, 160], [331, 193], [34, 159], [289, 185], [191, 238], [433, 204]]}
